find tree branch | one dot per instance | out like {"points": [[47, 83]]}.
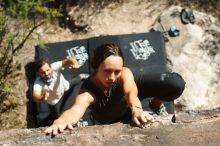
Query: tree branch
{"points": [[27, 36]]}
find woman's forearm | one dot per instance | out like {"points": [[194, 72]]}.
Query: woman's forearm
{"points": [[133, 100]]}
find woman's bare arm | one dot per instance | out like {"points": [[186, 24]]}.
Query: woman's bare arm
{"points": [[130, 88], [72, 115], [142, 119]]}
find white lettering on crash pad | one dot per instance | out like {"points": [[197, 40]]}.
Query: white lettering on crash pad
{"points": [[141, 49], [79, 52]]}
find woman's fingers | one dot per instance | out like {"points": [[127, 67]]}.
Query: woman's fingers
{"points": [[144, 120], [61, 128], [136, 121], [48, 130], [148, 116], [70, 126], [55, 129]]}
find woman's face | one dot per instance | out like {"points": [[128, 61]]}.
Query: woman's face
{"points": [[109, 71]]}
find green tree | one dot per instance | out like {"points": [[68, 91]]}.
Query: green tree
{"points": [[18, 21]]}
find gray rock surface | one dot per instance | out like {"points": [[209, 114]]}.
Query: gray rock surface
{"points": [[195, 55], [191, 128]]}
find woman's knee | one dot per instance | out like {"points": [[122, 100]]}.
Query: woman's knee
{"points": [[176, 83]]}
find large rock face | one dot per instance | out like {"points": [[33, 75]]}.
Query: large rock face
{"points": [[193, 128], [195, 54]]}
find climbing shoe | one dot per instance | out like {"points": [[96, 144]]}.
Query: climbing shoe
{"points": [[173, 32], [187, 16], [161, 111]]}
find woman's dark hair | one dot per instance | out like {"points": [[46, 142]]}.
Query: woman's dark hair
{"points": [[104, 51], [40, 63]]}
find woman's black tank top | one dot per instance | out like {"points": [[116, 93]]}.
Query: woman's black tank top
{"points": [[107, 109]]}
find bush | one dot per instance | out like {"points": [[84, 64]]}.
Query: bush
{"points": [[18, 21]]}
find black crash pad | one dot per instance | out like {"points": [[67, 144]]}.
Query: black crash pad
{"points": [[144, 54]]}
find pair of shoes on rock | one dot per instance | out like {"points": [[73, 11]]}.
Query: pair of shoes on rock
{"points": [[161, 111], [187, 16]]}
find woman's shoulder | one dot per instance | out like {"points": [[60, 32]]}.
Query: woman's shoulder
{"points": [[88, 87], [87, 84], [85, 97], [126, 74], [126, 71]]}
